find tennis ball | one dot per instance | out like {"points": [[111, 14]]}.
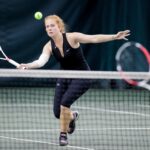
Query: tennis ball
{"points": [[38, 15]]}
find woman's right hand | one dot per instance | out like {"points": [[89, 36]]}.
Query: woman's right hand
{"points": [[23, 66]]}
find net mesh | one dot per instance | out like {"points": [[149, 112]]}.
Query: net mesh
{"points": [[113, 114]]}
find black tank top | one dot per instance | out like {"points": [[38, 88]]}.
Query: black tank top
{"points": [[73, 58]]}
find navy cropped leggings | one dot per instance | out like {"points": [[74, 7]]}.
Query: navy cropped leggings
{"points": [[68, 91]]}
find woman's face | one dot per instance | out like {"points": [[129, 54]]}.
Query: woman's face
{"points": [[51, 27]]}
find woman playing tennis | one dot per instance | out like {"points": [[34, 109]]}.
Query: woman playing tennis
{"points": [[66, 49]]}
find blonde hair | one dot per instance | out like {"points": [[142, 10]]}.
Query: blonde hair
{"points": [[59, 22]]}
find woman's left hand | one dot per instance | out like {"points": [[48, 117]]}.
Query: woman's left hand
{"points": [[122, 35]]}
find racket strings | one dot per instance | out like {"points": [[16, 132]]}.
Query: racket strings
{"points": [[132, 59]]}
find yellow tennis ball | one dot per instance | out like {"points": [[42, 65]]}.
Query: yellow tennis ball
{"points": [[38, 15]]}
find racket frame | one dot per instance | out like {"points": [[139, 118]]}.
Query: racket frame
{"points": [[142, 83], [8, 59]]}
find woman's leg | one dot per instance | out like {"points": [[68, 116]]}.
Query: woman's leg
{"points": [[76, 88], [65, 118], [59, 92], [61, 112]]}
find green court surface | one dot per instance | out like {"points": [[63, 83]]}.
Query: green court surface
{"points": [[109, 120]]}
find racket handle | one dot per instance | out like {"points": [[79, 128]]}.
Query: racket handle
{"points": [[13, 62]]}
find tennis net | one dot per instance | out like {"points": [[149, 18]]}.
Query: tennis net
{"points": [[113, 115]]}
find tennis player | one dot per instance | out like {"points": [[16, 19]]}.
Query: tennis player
{"points": [[67, 50]]}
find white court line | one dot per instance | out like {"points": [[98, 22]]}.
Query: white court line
{"points": [[87, 129], [25, 105], [114, 129], [43, 142], [29, 130], [78, 107], [146, 106], [112, 111]]}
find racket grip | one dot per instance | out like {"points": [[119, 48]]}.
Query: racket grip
{"points": [[13, 62]]}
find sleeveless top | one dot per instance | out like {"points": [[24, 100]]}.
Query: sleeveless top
{"points": [[73, 58]]}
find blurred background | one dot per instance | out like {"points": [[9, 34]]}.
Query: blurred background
{"points": [[22, 37]]}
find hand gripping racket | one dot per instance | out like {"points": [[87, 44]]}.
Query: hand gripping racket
{"points": [[8, 59], [134, 57]]}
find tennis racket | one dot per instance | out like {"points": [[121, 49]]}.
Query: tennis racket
{"points": [[134, 57], [4, 57]]}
